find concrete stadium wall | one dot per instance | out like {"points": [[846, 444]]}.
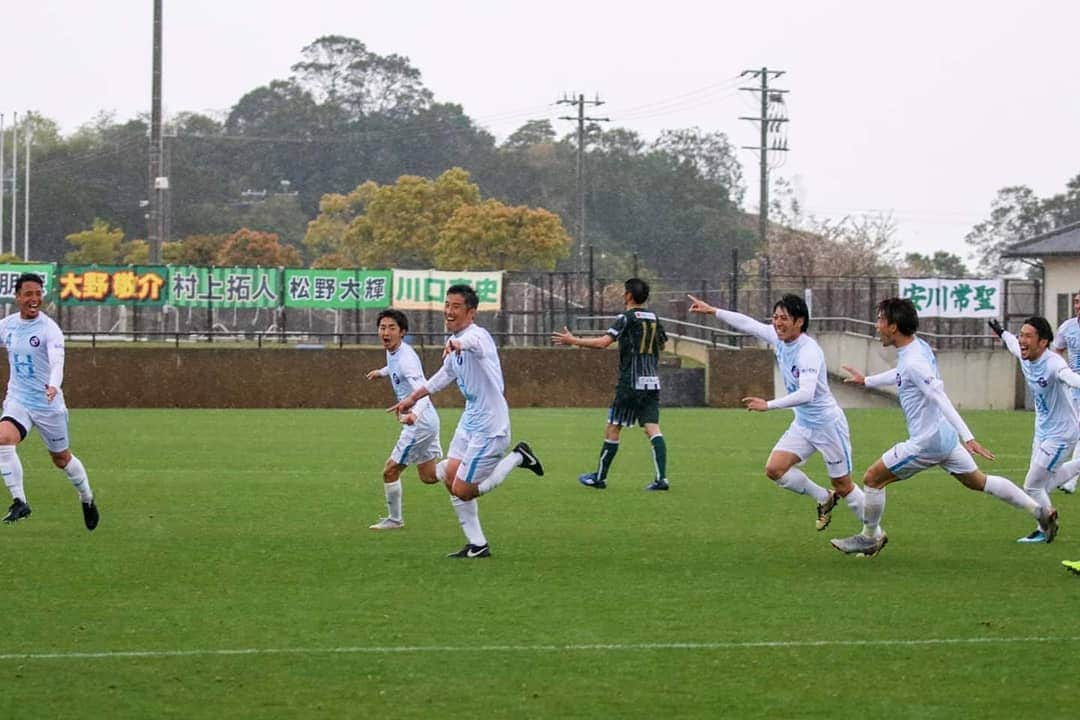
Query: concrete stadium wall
{"points": [[974, 379], [334, 378]]}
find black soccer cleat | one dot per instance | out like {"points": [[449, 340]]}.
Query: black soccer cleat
{"points": [[591, 480], [529, 461], [657, 485], [18, 510], [90, 514], [471, 551]]}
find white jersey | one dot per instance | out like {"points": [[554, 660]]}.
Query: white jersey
{"points": [[478, 374], [1049, 379], [932, 422], [1068, 338], [802, 365], [406, 374], [35, 351]]}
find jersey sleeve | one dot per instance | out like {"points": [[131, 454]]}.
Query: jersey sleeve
{"points": [[809, 361], [881, 379], [748, 325], [934, 389], [54, 349], [414, 375], [1063, 372], [617, 327], [1011, 344], [1059, 342]]}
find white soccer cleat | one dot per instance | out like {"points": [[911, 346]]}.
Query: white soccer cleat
{"points": [[387, 524], [1069, 486], [861, 545]]}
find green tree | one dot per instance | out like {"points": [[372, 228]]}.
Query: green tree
{"points": [[492, 236], [940, 264], [100, 244]]}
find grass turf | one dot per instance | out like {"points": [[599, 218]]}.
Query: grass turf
{"points": [[233, 575]]}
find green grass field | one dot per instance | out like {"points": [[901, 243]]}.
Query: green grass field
{"points": [[233, 576]]}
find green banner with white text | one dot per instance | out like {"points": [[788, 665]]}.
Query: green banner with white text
{"points": [[337, 289], [10, 273]]}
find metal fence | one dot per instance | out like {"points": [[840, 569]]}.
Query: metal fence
{"points": [[536, 304]]}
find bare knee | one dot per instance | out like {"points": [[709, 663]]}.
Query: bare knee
{"points": [[774, 471], [842, 485], [61, 459]]}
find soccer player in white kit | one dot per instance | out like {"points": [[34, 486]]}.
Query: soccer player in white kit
{"points": [[937, 433], [35, 347], [1068, 340], [475, 464], [819, 424], [1051, 383], [418, 443]]}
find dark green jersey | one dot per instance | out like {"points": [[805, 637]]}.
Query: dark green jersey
{"points": [[641, 337]]}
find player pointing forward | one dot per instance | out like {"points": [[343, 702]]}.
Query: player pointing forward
{"points": [[938, 435], [819, 424]]}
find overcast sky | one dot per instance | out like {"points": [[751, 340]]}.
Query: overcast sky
{"points": [[924, 109]]}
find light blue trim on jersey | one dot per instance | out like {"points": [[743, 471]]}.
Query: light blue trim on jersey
{"points": [[476, 461], [901, 464], [1057, 456], [405, 453]]}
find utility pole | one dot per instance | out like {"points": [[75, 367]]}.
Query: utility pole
{"points": [[158, 183], [772, 118], [26, 194], [14, 180], [581, 102]]}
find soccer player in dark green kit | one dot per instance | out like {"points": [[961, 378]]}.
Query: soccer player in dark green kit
{"points": [[641, 337]]}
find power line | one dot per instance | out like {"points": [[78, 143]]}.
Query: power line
{"points": [[581, 102], [771, 121]]}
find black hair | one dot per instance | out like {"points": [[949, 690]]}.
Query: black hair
{"points": [[900, 312], [28, 277], [796, 308], [395, 315], [1042, 326], [638, 289], [471, 300]]}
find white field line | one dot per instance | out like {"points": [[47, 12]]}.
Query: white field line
{"points": [[594, 647]]}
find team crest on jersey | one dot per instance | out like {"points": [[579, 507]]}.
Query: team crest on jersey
{"points": [[899, 380], [460, 358], [795, 371], [34, 341], [1041, 382], [395, 378]]}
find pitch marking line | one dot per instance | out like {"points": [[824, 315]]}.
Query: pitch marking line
{"points": [[616, 647]]}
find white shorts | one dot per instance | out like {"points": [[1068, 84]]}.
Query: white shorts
{"points": [[832, 441], [52, 424], [1051, 453], [479, 454], [906, 459], [417, 444]]}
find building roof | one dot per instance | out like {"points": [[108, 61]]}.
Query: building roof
{"points": [[1062, 242]]}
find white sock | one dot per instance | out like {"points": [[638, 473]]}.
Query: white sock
{"points": [[856, 500], [500, 472], [77, 475], [468, 513], [873, 509], [1005, 489], [1067, 472], [11, 469], [440, 471], [797, 482], [393, 500]]}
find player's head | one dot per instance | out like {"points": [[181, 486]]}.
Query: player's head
{"points": [[392, 326], [459, 311], [1076, 304], [637, 291], [29, 294], [896, 317], [1034, 337], [790, 316]]}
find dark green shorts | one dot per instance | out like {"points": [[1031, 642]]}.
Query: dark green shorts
{"points": [[635, 407]]}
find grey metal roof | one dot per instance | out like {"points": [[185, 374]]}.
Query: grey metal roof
{"points": [[1063, 241]]}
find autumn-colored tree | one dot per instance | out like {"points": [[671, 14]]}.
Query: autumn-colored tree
{"points": [[492, 236], [100, 244], [325, 234], [249, 247], [200, 250], [134, 252]]}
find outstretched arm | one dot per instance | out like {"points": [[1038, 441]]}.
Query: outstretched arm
{"points": [[742, 323], [568, 338]]}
